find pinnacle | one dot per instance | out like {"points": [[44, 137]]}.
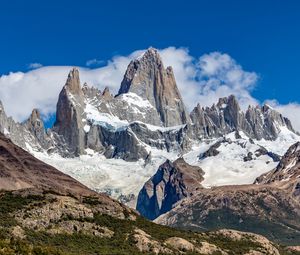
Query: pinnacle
{"points": [[73, 82]]}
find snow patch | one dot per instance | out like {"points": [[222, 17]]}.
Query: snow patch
{"points": [[87, 128], [5, 131], [104, 119]]}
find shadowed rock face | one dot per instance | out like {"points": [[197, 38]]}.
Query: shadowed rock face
{"points": [[148, 78], [171, 183], [69, 114]]}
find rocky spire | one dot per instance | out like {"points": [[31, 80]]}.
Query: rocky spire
{"points": [[147, 77], [73, 82], [36, 126], [69, 114]]}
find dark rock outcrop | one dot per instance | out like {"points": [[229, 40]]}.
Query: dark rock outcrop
{"points": [[171, 183]]}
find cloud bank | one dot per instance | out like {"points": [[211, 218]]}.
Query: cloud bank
{"points": [[200, 80]]}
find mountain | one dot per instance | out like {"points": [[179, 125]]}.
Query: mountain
{"points": [[147, 77], [115, 143], [270, 207], [286, 174], [226, 116], [44, 211]]}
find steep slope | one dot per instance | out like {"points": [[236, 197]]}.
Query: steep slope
{"points": [[147, 77], [286, 174], [171, 183], [270, 207], [20, 170]]}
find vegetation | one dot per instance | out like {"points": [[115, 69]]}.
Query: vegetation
{"points": [[122, 242]]}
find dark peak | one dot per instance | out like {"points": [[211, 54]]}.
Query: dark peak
{"points": [[230, 101], [266, 108], [85, 86], [167, 163], [197, 108], [170, 70], [73, 82], [106, 93]]}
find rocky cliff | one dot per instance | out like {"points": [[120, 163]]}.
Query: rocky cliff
{"points": [[172, 182]]}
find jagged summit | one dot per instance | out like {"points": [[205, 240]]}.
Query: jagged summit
{"points": [[73, 82], [106, 94], [148, 78], [226, 116]]}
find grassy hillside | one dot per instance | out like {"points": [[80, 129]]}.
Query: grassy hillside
{"points": [[53, 224]]}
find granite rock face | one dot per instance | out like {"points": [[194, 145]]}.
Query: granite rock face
{"points": [[226, 116], [69, 115], [172, 182], [147, 77]]}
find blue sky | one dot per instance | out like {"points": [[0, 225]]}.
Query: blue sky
{"points": [[262, 36]]}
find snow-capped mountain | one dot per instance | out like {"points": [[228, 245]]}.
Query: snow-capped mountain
{"points": [[116, 143]]}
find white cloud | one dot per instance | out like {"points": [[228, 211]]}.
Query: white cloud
{"points": [[34, 65], [210, 77], [200, 80], [21, 92], [94, 62]]}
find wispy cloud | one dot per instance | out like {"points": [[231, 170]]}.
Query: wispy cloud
{"points": [[34, 65], [94, 62], [200, 80]]}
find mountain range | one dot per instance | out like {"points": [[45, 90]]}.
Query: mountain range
{"points": [[214, 167]]}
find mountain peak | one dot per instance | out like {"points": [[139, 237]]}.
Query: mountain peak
{"points": [[106, 93], [148, 78], [228, 101], [35, 114], [73, 82]]}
